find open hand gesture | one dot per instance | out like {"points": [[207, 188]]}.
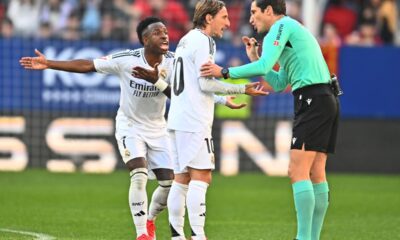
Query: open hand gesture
{"points": [[255, 89], [36, 63], [232, 105], [147, 74]]}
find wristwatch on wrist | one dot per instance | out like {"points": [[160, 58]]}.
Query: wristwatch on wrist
{"points": [[225, 72]]}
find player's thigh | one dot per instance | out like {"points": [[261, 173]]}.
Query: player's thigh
{"points": [[159, 154], [195, 150], [130, 144], [174, 154], [300, 164]]}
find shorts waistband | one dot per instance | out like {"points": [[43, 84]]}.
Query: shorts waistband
{"points": [[313, 90]]}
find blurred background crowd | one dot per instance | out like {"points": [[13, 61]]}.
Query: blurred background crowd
{"points": [[353, 22]]}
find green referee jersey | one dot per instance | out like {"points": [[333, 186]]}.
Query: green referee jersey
{"points": [[296, 50]]}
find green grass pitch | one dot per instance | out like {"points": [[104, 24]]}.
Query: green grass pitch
{"points": [[248, 206]]}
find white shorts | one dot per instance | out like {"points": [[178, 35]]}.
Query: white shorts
{"points": [[192, 149], [133, 142]]}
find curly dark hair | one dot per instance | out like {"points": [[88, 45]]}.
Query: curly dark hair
{"points": [[144, 24]]}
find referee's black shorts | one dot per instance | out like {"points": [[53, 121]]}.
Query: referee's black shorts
{"points": [[316, 117]]}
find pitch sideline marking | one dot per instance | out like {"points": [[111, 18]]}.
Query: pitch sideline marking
{"points": [[39, 236]]}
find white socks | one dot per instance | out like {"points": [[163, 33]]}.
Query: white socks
{"points": [[159, 198], [176, 209], [138, 199], [196, 205]]}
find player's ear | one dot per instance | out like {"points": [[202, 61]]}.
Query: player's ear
{"points": [[209, 18], [145, 40]]}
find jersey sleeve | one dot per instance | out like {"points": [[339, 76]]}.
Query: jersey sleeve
{"points": [[278, 80], [273, 45], [110, 64], [219, 99], [203, 53]]}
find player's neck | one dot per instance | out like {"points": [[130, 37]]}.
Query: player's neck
{"points": [[152, 58], [206, 30]]}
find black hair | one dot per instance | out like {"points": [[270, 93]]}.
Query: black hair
{"points": [[144, 24], [279, 6]]}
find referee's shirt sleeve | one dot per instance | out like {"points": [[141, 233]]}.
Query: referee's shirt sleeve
{"points": [[273, 45]]}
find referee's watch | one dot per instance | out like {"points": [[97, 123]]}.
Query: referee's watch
{"points": [[225, 73]]}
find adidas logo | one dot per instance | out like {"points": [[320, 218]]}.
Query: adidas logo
{"points": [[139, 214], [202, 215]]}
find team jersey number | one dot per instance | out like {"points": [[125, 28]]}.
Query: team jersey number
{"points": [[179, 84]]}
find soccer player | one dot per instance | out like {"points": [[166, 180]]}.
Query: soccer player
{"points": [[140, 124], [316, 105], [191, 116]]}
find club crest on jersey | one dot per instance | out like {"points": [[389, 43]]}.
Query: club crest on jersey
{"points": [[162, 73]]}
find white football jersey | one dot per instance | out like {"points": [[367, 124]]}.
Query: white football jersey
{"points": [[140, 100], [191, 110]]}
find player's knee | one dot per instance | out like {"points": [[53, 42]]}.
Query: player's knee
{"points": [[163, 174], [165, 184], [139, 178], [318, 176]]}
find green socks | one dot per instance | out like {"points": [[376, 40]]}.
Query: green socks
{"points": [[304, 202], [321, 192]]}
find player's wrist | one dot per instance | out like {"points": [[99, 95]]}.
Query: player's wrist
{"points": [[225, 73], [161, 84]]}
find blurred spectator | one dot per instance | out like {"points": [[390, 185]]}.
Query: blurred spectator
{"points": [[72, 29], [387, 21], [91, 16], [293, 9], [2, 10], [342, 17], [172, 12], [369, 11], [45, 31], [365, 36], [57, 13], [108, 31], [121, 14], [7, 28], [24, 14], [330, 43]]}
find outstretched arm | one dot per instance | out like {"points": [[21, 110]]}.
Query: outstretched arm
{"points": [[40, 63]]}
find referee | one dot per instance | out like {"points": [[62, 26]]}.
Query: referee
{"points": [[316, 107]]}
